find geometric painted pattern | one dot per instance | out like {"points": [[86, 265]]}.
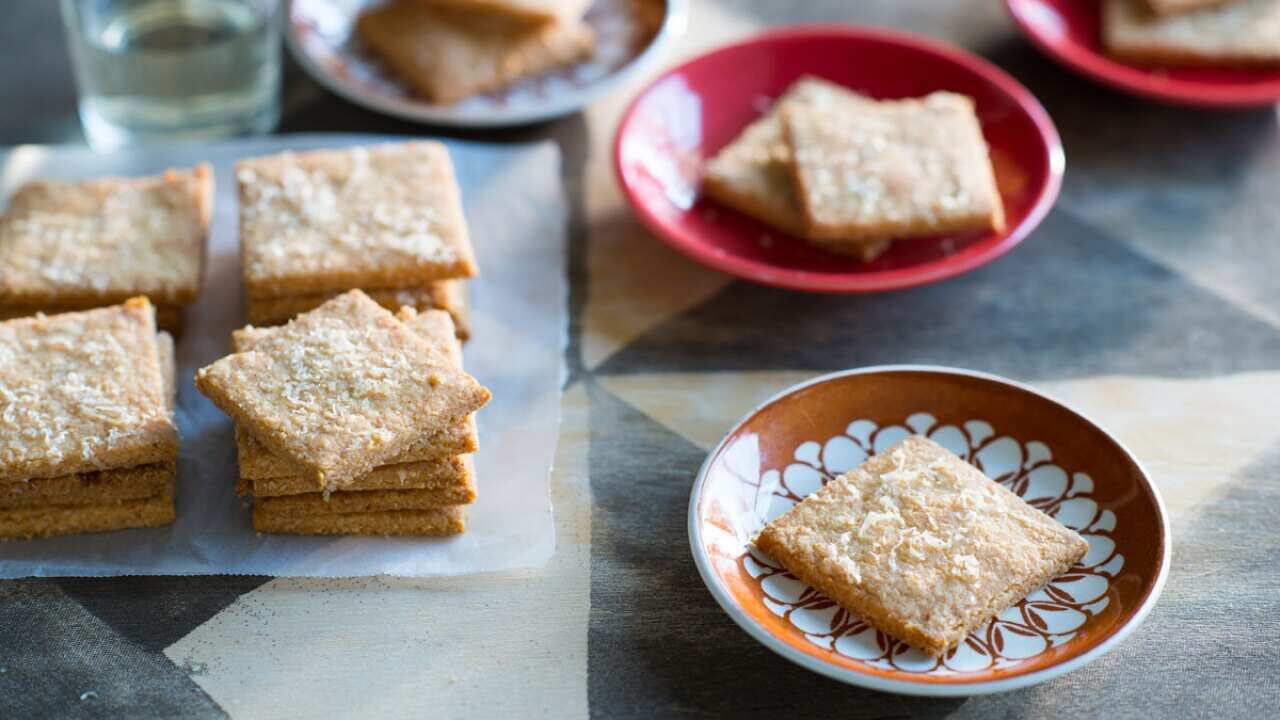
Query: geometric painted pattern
{"points": [[1157, 267]]}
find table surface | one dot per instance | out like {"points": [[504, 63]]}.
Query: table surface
{"points": [[1148, 297]]}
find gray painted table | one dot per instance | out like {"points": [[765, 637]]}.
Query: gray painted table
{"points": [[1147, 297]]}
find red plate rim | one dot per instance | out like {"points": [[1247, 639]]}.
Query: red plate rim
{"points": [[1143, 82], [688, 244]]}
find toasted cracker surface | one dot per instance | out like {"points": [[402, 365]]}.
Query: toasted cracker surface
{"points": [[325, 221], [94, 488], [447, 295], [50, 520], [893, 168], [342, 389], [458, 439], [753, 174], [432, 522], [1241, 33], [83, 244], [461, 492], [445, 474], [921, 544], [168, 317], [81, 392], [448, 54], [258, 463]]}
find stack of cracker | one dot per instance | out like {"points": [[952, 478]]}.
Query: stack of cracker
{"points": [[850, 174], [386, 219], [1226, 33], [77, 245], [448, 50], [352, 421], [87, 437]]}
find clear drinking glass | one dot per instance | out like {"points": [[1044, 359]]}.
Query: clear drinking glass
{"points": [[157, 70]]}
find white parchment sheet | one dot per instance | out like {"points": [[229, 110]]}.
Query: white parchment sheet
{"points": [[516, 213]]}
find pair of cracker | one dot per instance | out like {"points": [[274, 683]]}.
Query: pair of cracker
{"points": [[87, 437], [387, 219], [1192, 32], [345, 401], [67, 246], [449, 50], [850, 174], [921, 545]]}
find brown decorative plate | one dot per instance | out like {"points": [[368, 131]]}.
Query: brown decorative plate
{"points": [[630, 36], [1055, 458]]}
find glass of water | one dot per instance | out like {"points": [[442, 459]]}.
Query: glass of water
{"points": [[159, 70]]}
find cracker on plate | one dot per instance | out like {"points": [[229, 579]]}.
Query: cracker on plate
{"points": [[753, 174], [327, 221], [892, 168], [1240, 34], [920, 544], [77, 245], [446, 54], [532, 11], [341, 389], [1173, 7]]}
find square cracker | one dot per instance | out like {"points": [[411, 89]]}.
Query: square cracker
{"points": [[447, 295], [342, 389], [920, 544], [81, 392], [892, 168], [50, 520], [1243, 33], [753, 173], [330, 220], [94, 488], [437, 329], [77, 245], [433, 522], [452, 474], [448, 54], [532, 11]]}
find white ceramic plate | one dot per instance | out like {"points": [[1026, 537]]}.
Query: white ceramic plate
{"points": [[630, 36]]}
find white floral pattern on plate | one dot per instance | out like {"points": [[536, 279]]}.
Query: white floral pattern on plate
{"points": [[1047, 618]]}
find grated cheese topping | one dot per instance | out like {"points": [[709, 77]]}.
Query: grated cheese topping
{"points": [[331, 219], [82, 392], [919, 535], [342, 389], [66, 243]]}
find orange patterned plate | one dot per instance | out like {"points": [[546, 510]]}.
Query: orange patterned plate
{"points": [[1055, 458]]}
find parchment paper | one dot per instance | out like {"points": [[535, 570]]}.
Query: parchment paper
{"points": [[516, 214]]}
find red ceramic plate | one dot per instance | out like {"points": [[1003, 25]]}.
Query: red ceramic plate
{"points": [[689, 113], [1069, 31]]}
